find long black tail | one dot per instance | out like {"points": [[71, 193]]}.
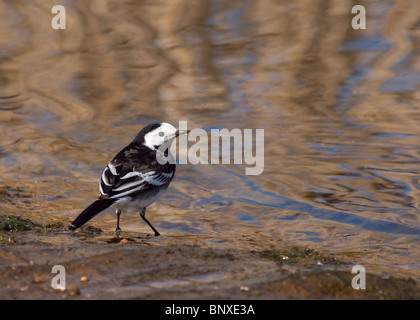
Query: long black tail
{"points": [[90, 212]]}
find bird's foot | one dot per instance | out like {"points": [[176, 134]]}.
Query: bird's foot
{"points": [[157, 234], [118, 232]]}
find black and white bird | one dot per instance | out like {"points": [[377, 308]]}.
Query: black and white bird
{"points": [[137, 176]]}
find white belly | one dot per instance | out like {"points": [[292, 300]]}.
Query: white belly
{"points": [[129, 205]]}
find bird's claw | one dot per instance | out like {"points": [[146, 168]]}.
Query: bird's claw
{"points": [[118, 232]]}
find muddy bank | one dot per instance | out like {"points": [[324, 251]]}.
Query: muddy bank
{"points": [[100, 266]]}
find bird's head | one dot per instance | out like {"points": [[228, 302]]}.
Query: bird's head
{"points": [[158, 135]]}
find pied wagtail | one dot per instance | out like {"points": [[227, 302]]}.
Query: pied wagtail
{"points": [[135, 178]]}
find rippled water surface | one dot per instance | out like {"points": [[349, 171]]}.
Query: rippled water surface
{"points": [[340, 109]]}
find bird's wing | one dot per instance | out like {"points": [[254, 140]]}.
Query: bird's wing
{"points": [[116, 183]]}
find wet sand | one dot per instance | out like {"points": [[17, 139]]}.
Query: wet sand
{"points": [[100, 266]]}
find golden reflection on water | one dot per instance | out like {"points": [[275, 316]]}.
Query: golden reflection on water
{"points": [[340, 110]]}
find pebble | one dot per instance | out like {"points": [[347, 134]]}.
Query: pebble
{"points": [[73, 290], [84, 279], [38, 279], [244, 288]]}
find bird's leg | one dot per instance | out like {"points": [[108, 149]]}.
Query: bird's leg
{"points": [[143, 216], [118, 230]]}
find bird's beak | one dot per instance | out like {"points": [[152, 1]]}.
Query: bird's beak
{"points": [[179, 132]]}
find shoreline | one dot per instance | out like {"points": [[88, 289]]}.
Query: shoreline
{"points": [[101, 266]]}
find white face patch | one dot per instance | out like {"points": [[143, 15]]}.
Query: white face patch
{"points": [[164, 133]]}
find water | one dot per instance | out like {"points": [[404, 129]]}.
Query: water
{"points": [[340, 110]]}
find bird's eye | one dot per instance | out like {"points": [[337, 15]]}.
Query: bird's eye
{"points": [[161, 133]]}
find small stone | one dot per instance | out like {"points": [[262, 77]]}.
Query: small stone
{"points": [[38, 279], [84, 279], [122, 241], [73, 290]]}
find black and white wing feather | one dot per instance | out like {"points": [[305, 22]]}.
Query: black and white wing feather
{"points": [[128, 174]]}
